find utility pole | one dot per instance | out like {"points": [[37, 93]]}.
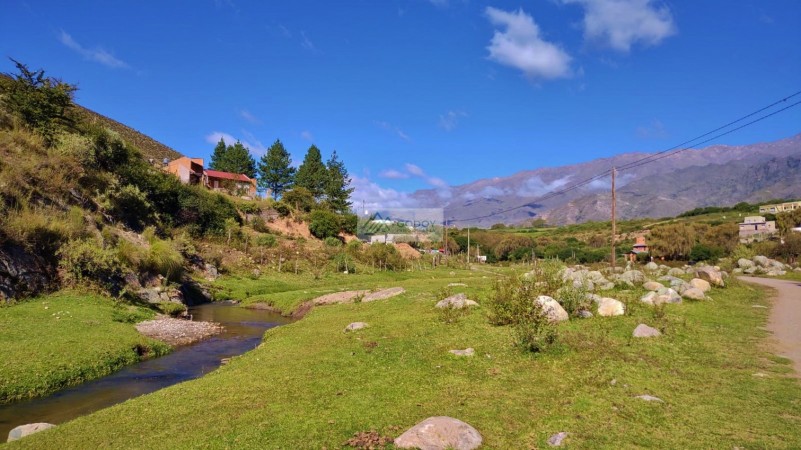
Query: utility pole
{"points": [[614, 216], [445, 239]]}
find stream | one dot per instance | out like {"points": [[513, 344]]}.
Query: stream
{"points": [[244, 329]]}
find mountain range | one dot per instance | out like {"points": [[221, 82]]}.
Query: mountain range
{"points": [[718, 175]]}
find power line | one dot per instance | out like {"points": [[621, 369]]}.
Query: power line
{"points": [[656, 156]]}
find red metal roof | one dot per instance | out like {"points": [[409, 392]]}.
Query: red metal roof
{"points": [[227, 175]]}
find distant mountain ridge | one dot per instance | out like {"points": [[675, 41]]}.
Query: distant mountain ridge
{"points": [[716, 175]]}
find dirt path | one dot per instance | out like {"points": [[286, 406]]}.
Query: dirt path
{"points": [[785, 317]]}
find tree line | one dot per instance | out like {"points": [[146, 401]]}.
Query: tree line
{"points": [[326, 183]]}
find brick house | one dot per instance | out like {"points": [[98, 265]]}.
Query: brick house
{"points": [[191, 171]]}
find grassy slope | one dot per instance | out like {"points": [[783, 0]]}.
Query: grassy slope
{"points": [[311, 385], [52, 342]]}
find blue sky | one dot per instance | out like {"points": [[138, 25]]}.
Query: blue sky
{"points": [[421, 93]]}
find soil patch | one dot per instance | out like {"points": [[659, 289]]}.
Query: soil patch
{"points": [[177, 331], [407, 251]]}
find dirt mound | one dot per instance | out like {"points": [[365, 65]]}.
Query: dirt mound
{"points": [[290, 228], [407, 251]]}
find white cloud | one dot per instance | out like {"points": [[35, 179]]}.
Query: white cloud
{"points": [[536, 187], [393, 129], [450, 120], [306, 42], [521, 46], [619, 24], [654, 130], [414, 170], [97, 54], [376, 197], [306, 135], [248, 116], [393, 174], [250, 142], [491, 191]]}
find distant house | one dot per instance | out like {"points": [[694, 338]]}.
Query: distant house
{"points": [[232, 183], [756, 228], [779, 207], [188, 170], [639, 247], [191, 171]]}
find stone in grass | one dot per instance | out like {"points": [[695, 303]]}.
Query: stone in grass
{"points": [[27, 430], [440, 433], [356, 326], [458, 301], [652, 286], [644, 331], [556, 439], [466, 352], [694, 294], [650, 398], [609, 307], [552, 309], [698, 283]]}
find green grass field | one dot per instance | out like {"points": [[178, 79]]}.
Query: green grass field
{"points": [[56, 341], [310, 385]]}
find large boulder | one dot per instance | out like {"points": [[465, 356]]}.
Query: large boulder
{"points": [[760, 260], [440, 433], [675, 272], [669, 295], [644, 331], [458, 301], [710, 274], [652, 286], [694, 293], [27, 430], [744, 263], [609, 307], [632, 276], [552, 309], [700, 284], [652, 266]]}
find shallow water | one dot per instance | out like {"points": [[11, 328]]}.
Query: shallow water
{"points": [[244, 329]]}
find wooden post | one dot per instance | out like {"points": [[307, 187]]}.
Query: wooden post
{"points": [[614, 217]]}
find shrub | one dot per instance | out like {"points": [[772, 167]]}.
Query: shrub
{"points": [[165, 259], [333, 242], [299, 198], [512, 302], [348, 223], [282, 208], [85, 260], [171, 308], [130, 206], [344, 263], [384, 256], [258, 224], [701, 252], [742, 251], [266, 240], [323, 224], [573, 298]]}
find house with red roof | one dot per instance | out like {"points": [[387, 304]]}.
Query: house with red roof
{"points": [[191, 171]]}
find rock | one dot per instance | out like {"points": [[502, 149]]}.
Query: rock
{"points": [[584, 314], [594, 297], [552, 309], [700, 284], [356, 326], [652, 285], [151, 295], [584, 284], [457, 285], [440, 433], [751, 270], [797, 269], [694, 294], [737, 270], [458, 301], [632, 276], [466, 352], [760, 260], [556, 439], [609, 307], [675, 272], [649, 398], [714, 277], [669, 295], [644, 331], [652, 266], [606, 286], [650, 298], [27, 430], [383, 294], [744, 263]]}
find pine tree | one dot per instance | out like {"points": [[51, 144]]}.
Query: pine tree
{"points": [[312, 174], [275, 170], [235, 159], [218, 156], [337, 189]]}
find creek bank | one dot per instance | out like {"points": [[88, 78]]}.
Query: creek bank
{"points": [[177, 332]]}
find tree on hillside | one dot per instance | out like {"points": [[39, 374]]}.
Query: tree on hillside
{"points": [[275, 170], [42, 102], [312, 173], [786, 221], [235, 159], [337, 189]]}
